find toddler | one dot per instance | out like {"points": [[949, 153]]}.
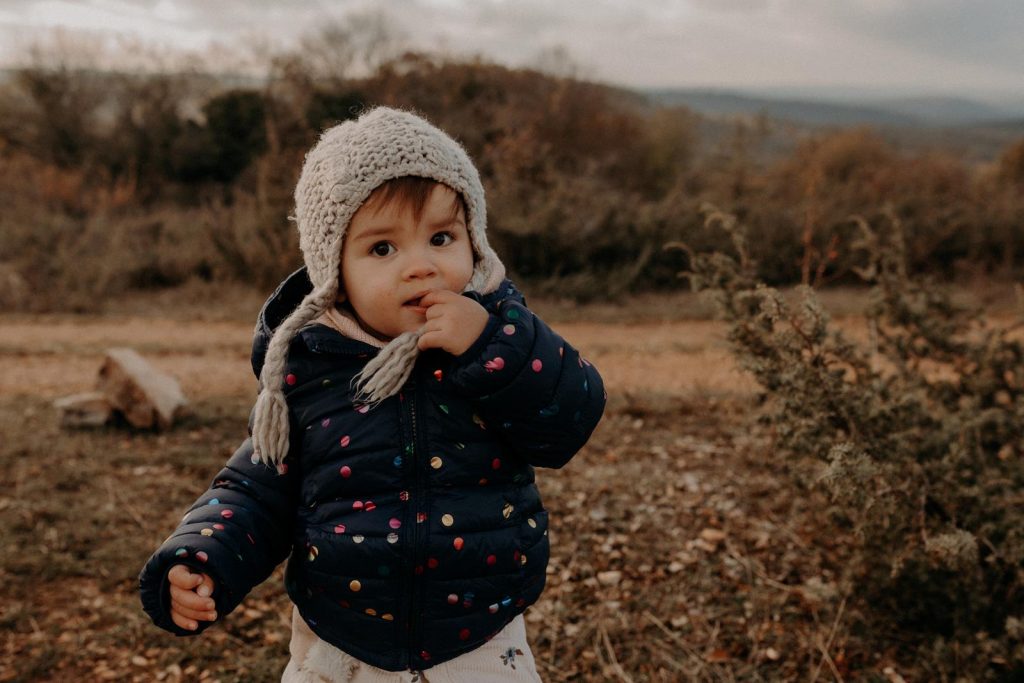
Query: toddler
{"points": [[406, 395]]}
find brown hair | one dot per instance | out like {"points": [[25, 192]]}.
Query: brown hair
{"points": [[410, 192]]}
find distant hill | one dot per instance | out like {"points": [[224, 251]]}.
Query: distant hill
{"points": [[1015, 126], [944, 111], [834, 109], [966, 128], [805, 111]]}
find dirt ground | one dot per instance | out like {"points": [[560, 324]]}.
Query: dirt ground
{"points": [[681, 548], [52, 358]]}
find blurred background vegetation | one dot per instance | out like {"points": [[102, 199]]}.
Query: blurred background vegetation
{"points": [[115, 181]]}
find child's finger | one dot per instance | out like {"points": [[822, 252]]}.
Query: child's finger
{"points": [[181, 576], [190, 599], [431, 326], [200, 615], [437, 296], [429, 340], [182, 622], [435, 310], [206, 586]]}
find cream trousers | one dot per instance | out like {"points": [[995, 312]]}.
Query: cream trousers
{"points": [[505, 657]]}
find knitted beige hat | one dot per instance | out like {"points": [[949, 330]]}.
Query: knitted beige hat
{"points": [[341, 171]]}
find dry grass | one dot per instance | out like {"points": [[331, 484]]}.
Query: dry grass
{"points": [[52, 356]]}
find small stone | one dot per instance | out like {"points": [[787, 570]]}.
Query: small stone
{"points": [[712, 535], [680, 621]]}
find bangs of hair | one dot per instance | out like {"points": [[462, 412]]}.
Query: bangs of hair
{"points": [[410, 193]]}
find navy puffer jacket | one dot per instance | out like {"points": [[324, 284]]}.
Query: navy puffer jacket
{"points": [[415, 528]]}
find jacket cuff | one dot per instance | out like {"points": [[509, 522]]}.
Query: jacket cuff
{"points": [[498, 355], [155, 590], [477, 347]]}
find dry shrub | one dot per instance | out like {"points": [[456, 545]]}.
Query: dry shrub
{"points": [[72, 251], [253, 241], [585, 181], [918, 439], [1011, 164], [82, 262], [848, 157], [956, 218]]}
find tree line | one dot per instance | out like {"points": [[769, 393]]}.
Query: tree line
{"points": [[121, 181]]}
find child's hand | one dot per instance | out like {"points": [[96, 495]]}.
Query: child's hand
{"points": [[190, 597], [453, 322]]}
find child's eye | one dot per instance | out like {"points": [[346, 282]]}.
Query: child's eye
{"points": [[376, 249], [446, 239]]}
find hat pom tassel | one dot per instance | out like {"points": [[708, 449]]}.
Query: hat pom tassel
{"points": [[270, 427]]}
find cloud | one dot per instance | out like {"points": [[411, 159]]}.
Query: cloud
{"points": [[926, 44], [987, 34]]}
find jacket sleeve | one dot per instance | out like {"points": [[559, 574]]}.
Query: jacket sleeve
{"points": [[237, 533], [531, 387]]}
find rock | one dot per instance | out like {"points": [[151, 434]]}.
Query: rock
{"points": [[145, 396], [609, 578], [91, 409], [680, 621], [712, 535]]}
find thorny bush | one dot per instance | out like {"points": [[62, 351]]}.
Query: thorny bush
{"points": [[918, 437]]}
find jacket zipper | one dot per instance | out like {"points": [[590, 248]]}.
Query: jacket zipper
{"points": [[419, 507]]}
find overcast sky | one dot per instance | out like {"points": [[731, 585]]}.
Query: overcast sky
{"points": [[971, 47]]}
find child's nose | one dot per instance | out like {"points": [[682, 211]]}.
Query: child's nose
{"points": [[419, 265]]}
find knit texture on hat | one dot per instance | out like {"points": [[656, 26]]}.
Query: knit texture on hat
{"points": [[340, 172]]}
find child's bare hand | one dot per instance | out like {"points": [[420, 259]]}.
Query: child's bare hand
{"points": [[453, 322], [190, 597]]}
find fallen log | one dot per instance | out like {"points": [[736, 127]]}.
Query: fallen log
{"points": [[145, 396], [91, 409]]}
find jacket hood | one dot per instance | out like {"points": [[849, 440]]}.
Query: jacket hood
{"points": [[322, 339], [275, 309]]}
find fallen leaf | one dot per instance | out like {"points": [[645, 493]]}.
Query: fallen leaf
{"points": [[717, 656]]}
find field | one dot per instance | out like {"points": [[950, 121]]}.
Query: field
{"points": [[681, 548]]}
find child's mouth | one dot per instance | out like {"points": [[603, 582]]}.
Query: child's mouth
{"points": [[414, 303]]}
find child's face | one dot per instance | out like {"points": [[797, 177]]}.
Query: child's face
{"points": [[389, 260]]}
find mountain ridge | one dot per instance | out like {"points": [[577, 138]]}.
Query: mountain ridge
{"points": [[808, 109]]}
